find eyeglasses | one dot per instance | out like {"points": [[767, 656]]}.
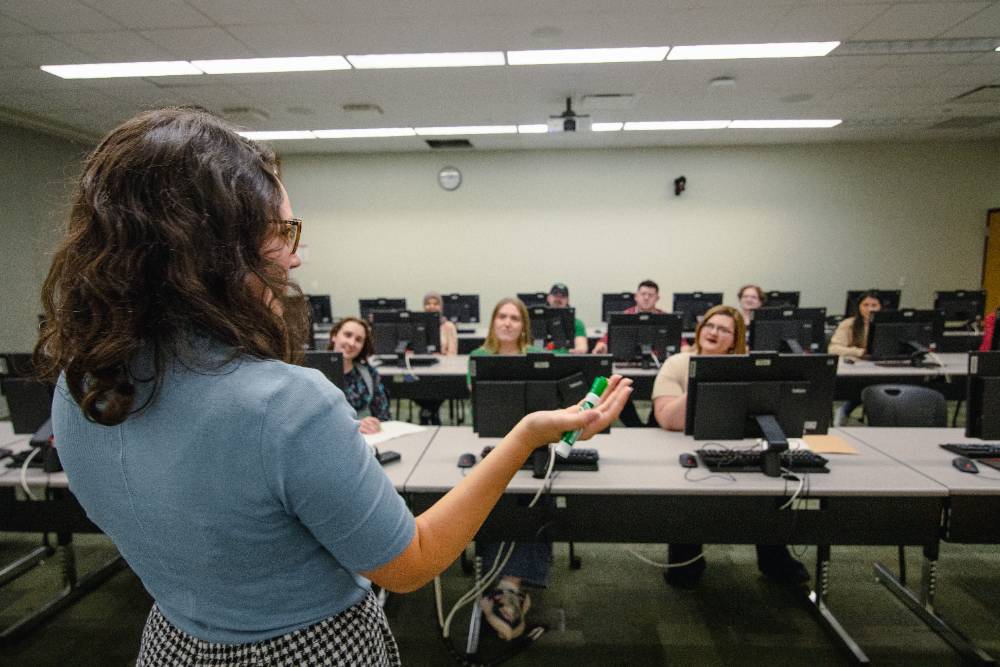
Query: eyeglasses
{"points": [[717, 328], [292, 233]]}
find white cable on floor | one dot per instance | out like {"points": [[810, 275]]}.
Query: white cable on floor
{"points": [[24, 472]]}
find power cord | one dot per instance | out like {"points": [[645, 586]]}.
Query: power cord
{"points": [[24, 472], [666, 566]]}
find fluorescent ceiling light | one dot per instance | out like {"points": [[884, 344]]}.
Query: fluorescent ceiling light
{"points": [[367, 132], [533, 129], [679, 125], [114, 70], [248, 65], [775, 50], [403, 60], [775, 124], [466, 129], [278, 135], [560, 56], [606, 127]]}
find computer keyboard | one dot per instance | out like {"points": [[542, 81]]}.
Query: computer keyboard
{"points": [[974, 450], [580, 458], [752, 460], [906, 363]]}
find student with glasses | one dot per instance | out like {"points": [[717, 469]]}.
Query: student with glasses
{"points": [[235, 484], [721, 331]]}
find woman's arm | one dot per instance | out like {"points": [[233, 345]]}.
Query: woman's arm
{"points": [[670, 411], [840, 343], [443, 531]]}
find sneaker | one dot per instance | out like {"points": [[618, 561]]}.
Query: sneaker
{"points": [[505, 608]]}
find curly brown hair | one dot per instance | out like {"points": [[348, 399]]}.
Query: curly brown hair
{"points": [[163, 247], [368, 349]]}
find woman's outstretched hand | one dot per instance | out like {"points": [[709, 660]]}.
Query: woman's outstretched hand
{"points": [[547, 426]]}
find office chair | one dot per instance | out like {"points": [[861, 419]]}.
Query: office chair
{"points": [[904, 405]]}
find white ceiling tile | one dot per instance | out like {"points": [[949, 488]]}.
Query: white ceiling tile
{"points": [[151, 15], [199, 43], [902, 76], [118, 46], [919, 20], [39, 50], [827, 22], [61, 16], [9, 26], [984, 24], [249, 12]]}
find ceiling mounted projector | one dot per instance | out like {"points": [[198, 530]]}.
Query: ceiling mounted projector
{"points": [[569, 121]]}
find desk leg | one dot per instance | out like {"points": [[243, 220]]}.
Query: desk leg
{"points": [[825, 617], [25, 563], [75, 589], [476, 616], [923, 606]]}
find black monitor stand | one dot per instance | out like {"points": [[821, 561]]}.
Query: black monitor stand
{"points": [[775, 442]]}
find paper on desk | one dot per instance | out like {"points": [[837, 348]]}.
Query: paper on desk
{"points": [[392, 430], [829, 444]]}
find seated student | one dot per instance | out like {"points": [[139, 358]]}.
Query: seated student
{"points": [[430, 408], [352, 337], [751, 298], [506, 605], [989, 326], [646, 297], [558, 297], [721, 331], [850, 340]]}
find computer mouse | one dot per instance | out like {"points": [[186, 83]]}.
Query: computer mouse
{"points": [[466, 460], [848, 360], [688, 460], [964, 464]]}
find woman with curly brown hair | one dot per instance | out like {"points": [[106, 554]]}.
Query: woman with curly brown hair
{"points": [[235, 484]]}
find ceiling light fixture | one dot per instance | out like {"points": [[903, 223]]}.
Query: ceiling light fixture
{"points": [[606, 127], [782, 124], [570, 56], [115, 70], [533, 129], [466, 129], [365, 133], [678, 125], [411, 60], [732, 51], [278, 135], [258, 65]]}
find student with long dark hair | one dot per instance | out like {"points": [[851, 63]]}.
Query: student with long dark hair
{"points": [[352, 337], [235, 484], [851, 339]]}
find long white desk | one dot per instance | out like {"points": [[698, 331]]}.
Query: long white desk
{"points": [[642, 494]]}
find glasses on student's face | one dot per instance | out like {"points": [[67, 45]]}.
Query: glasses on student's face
{"points": [[717, 328], [292, 232]]}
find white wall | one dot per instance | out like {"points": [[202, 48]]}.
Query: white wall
{"points": [[822, 219], [36, 173]]}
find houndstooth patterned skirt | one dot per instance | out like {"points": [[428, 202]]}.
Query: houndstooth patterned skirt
{"points": [[358, 635]]}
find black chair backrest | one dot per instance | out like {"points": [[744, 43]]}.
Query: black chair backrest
{"points": [[904, 405]]}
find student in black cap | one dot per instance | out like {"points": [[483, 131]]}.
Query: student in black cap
{"points": [[559, 298]]}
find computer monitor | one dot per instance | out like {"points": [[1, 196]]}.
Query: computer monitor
{"points": [[17, 364], [644, 337], [692, 305], [888, 297], [531, 299], [795, 330], [328, 362], [406, 331], [760, 395], [960, 306], [553, 328], [901, 335], [507, 387], [778, 299], [319, 307], [28, 401], [461, 308], [615, 302], [368, 306], [982, 407]]}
